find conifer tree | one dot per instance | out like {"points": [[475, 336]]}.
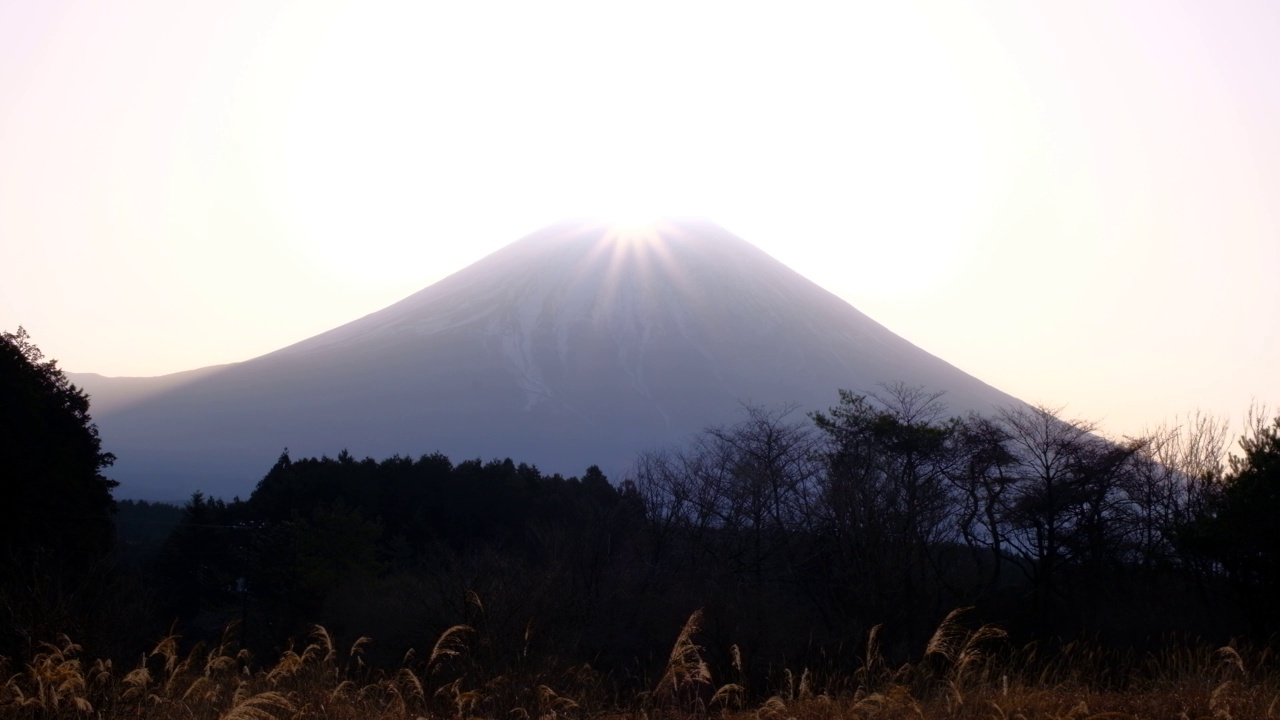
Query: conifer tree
{"points": [[56, 499]]}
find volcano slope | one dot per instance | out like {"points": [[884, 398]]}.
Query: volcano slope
{"points": [[579, 344]]}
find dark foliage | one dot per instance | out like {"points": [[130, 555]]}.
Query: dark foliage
{"points": [[398, 543], [1240, 528], [143, 526], [795, 535], [56, 497], [56, 533]]}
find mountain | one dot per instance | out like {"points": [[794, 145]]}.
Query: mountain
{"points": [[579, 344]]}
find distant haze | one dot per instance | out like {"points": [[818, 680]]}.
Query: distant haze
{"points": [[580, 344]]}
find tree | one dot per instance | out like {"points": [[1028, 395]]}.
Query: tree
{"points": [[768, 461], [1174, 477], [55, 515], [202, 558], [984, 478], [56, 497], [300, 563], [1066, 503], [731, 514], [1238, 528], [887, 502]]}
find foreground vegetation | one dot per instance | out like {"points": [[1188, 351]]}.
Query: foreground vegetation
{"points": [[963, 672], [826, 552]]}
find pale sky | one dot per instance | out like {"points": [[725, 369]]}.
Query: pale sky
{"points": [[1077, 202]]}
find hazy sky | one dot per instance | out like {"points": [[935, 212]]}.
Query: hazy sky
{"points": [[1078, 202]]}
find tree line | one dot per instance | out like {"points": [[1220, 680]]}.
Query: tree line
{"points": [[795, 533]]}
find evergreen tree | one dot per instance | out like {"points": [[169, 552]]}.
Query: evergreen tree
{"points": [[56, 497], [55, 515]]}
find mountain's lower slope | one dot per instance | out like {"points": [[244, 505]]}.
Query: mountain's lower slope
{"points": [[577, 345]]}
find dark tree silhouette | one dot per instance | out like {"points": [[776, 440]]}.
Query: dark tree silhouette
{"points": [[55, 495], [1239, 528], [55, 507], [887, 501], [1066, 507]]}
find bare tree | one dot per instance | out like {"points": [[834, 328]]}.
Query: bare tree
{"points": [[1171, 483], [682, 504], [1066, 500], [771, 481], [730, 515], [984, 478]]}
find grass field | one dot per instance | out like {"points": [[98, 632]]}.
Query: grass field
{"points": [[963, 672]]}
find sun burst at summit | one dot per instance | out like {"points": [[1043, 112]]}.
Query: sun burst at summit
{"points": [[632, 254], [633, 231]]}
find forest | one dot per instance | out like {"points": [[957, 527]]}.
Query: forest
{"points": [[881, 548]]}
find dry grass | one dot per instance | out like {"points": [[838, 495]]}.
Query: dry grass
{"points": [[963, 673]]}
